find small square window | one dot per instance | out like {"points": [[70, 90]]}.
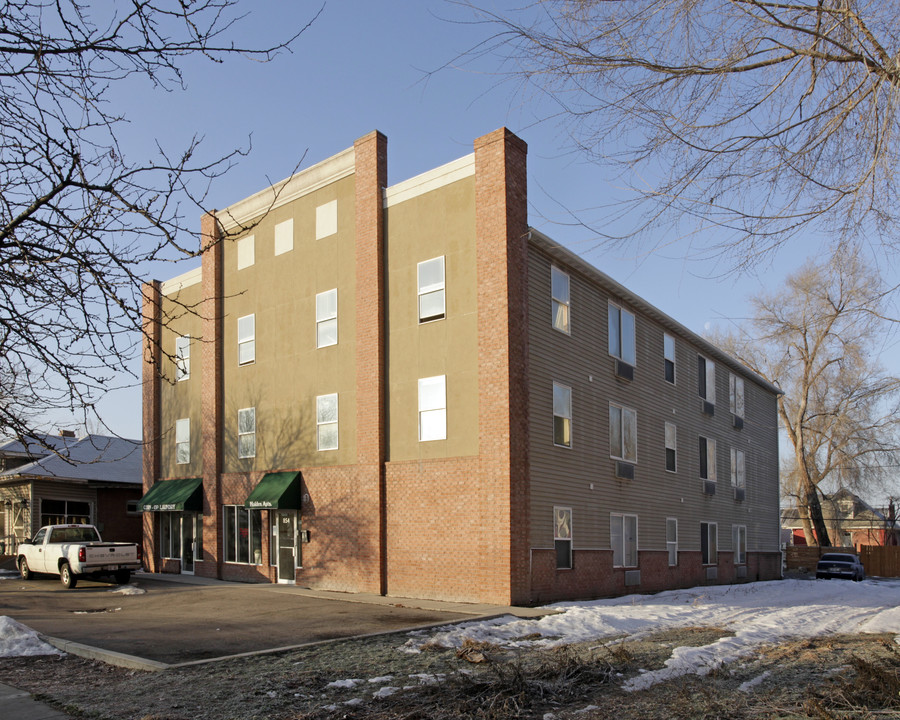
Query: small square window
{"points": [[246, 339], [326, 318], [247, 433], [326, 219], [430, 274], [327, 422], [284, 236]]}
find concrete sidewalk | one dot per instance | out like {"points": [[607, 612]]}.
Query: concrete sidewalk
{"points": [[19, 705]]}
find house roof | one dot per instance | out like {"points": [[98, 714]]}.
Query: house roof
{"points": [[90, 458], [846, 507]]}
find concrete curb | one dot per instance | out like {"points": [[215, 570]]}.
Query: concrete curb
{"points": [[110, 657]]}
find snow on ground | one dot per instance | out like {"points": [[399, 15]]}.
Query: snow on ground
{"points": [[128, 590], [17, 640], [757, 613]]}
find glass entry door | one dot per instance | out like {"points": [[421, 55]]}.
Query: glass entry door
{"points": [[287, 546], [187, 543]]}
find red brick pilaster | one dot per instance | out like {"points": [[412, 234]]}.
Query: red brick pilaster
{"points": [[371, 179], [501, 226], [151, 325], [212, 391]]}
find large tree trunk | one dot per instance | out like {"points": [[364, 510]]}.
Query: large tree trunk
{"points": [[814, 507]]}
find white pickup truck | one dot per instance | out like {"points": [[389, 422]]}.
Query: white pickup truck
{"points": [[73, 551]]}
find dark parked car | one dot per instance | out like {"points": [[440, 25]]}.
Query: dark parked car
{"points": [[840, 565]]}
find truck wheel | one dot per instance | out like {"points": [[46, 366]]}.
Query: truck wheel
{"points": [[122, 576], [24, 570], [67, 577]]}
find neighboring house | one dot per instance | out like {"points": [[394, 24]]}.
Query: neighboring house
{"points": [[851, 522], [66, 479], [403, 389]]}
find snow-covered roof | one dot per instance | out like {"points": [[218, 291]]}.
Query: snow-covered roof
{"points": [[90, 458]]}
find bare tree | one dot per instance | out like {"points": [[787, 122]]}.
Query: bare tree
{"points": [[818, 340], [78, 219], [756, 118]]}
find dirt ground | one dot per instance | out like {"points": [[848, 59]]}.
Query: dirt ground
{"points": [[844, 677]]}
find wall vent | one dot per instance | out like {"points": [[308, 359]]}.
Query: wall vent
{"points": [[632, 577], [740, 572], [712, 573]]}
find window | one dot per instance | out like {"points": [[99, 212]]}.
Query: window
{"points": [[65, 512], [170, 534], [709, 552], [433, 408], [621, 334], [247, 433], [559, 292], [669, 355], [738, 470], [246, 339], [671, 444], [707, 458], [672, 540], [183, 357], [327, 422], [326, 219], [622, 433], [706, 375], [739, 543], [623, 540], [431, 289], [284, 236], [182, 441], [562, 415], [326, 318], [243, 535], [736, 395], [246, 252], [562, 537]]}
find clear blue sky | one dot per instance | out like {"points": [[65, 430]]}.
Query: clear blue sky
{"points": [[364, 65]]}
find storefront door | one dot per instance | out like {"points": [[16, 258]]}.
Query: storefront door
{"points": [[287, 546], [187, 543]]}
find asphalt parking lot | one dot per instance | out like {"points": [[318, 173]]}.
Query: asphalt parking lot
{"points": [[175, 620]]}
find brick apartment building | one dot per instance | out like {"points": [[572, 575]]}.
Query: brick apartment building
{"points": [[406, 390]]}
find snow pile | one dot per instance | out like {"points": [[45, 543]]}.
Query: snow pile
{"points": [[128, 590], [16, 640], [757, 613]]}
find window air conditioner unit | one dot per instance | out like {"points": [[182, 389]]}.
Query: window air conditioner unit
{"points": [[624, 370], [624, 470], [738, 422], [739, 494], [708, 408], [709, 487]]}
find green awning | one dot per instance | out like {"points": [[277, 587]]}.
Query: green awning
{"points": [[176, 495], [276, 491]]}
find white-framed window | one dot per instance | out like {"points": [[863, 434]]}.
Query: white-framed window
{"points": [[669, 357], [284, 236], [430, 279], [562, 537], [738, 469], [327, 422], [623, 539], [183, 357], [562, 415], [243, 535], [621, 334], [326, 220], [559, 293], [169, 534], [708, 458], [433, 408], [622, 433], [247, 433], [326, 318], [709, 543], [246, 252], [672, 540], [671, 447], [183, 441], [246, 339], [706, 377], [736, 395], [739, 543]]}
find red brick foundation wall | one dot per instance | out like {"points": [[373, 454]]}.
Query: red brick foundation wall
{"points": [[117, 525]]}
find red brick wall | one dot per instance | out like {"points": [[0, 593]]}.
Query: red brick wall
{"points": [[150, 402], [118, 526]]}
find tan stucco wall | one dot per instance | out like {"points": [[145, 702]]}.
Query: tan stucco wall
{"points": [[289, 371], [440, 222]]}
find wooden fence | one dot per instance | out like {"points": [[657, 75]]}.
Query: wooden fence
{"points": [[879, 561]]}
